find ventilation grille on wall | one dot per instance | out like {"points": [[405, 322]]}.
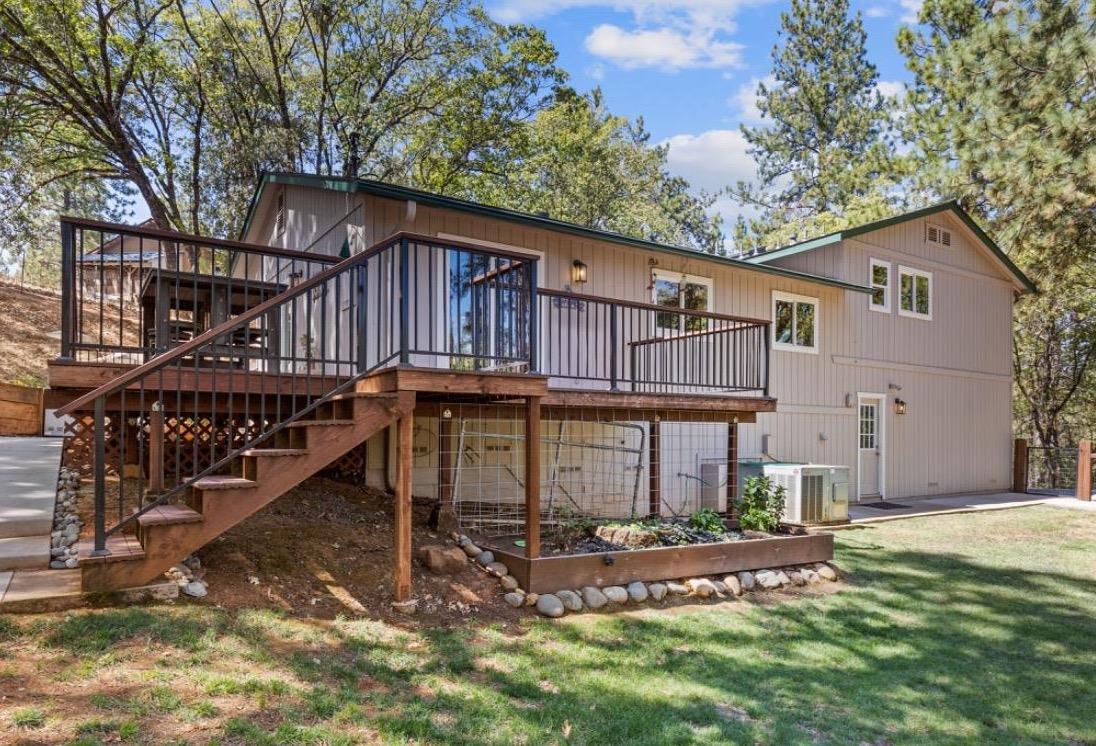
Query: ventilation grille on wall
{"points": [[937, 235]]}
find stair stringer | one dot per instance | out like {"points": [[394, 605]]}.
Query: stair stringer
{"points": [[166, 543]]}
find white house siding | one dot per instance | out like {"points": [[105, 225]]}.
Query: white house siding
{"points": [[954, 371]]}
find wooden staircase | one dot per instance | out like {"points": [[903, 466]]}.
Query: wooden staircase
{"points": [[166, 534]]}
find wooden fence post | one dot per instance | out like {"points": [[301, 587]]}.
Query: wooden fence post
{"points": [[401, 564], [532, 477], [1084, 470], [1019, 465]]}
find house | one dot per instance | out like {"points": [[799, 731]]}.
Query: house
{"points": [[450, 349]]}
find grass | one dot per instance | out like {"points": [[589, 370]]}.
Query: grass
{"points": [[968, 629]]}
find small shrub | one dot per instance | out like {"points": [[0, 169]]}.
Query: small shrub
{"points": [[28, 717], [708, 520], [130, 731], [762, 505]]}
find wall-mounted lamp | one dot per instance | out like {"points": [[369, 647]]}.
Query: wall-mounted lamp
{"points": [[899, 406], [578, 272]]}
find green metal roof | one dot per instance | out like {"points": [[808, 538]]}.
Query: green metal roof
{"points": [[948, 206], [393, 191]]}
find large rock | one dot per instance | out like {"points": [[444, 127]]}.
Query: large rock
{"points": [[486, 557], [616, 594], [811, 577], [550, 605], [797, 577], [637, 592], [195, 588], [497, 569], [701, 587], [508, 583], [442, 560], [627, 536], [747, 579], [678, 589], [471, 549], [514, 599], [658, 591], [593, 597], [571, 600], [826, 572], [767, 579], [783, 579], [734, 585]]}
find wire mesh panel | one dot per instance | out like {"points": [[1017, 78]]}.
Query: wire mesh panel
{"points": [[601, 465], [1051, 468]]}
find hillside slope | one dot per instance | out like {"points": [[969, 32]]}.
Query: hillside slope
{"points": [[30, 321]]}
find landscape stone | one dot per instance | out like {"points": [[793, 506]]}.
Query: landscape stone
{"points": [[678, 589], [783, 579], [195, 588], [720, 587], [486, 557], [797, 578], [768, 580], [826, 572], [472, 550], [616, 594], [811, 577], [550, 606], [531, 599], [701, 587], [658, 591], [593, 597], [497, 569], [747, 579], [637, 592], [508, 582], [514, 599], [442, 560], [570, 599], [734, 585]]}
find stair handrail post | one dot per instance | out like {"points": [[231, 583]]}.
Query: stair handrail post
{"points": [[534, 319], [156, 449], [100, 481], [68, 287], [362, 317], [405, 303]]}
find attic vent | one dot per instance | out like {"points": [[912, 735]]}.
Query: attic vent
{"points": [[279, 217], [937, 235]]}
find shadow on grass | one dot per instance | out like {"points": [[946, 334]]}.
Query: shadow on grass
{"points": [[923, 647]]}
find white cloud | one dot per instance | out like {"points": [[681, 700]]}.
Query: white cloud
{"points": [[710, 160], [744, 100], [877, 11], [891, 88], [662, 47], [910, 10], [668, 34]]}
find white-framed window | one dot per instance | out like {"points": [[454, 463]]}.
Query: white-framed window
{"points": [[937, 234], [677, 290], [795, 322], [914, 293], [879, 277]]}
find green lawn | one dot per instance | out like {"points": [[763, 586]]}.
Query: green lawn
{"points": [[957, 629]]}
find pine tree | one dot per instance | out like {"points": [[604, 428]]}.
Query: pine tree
{"points": [[823, 152]]}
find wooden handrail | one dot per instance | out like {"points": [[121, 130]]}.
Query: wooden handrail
{"points": [[649, 306], [189, 238]]}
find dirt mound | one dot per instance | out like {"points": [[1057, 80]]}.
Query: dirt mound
{"points": [[325, 549]]}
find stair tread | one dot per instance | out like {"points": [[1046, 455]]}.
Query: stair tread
{"points": [[310, 423], [121, 547], [276, 452], [169, 514], [223, 482]]}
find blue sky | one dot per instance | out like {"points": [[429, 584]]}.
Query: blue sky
{"points": [[690, 67]]}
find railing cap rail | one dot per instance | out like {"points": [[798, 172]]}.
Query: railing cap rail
{"points": [[190, 238], [652, 307]]}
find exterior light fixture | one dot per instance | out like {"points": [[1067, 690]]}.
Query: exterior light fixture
{"points": [[899, 406], [578, 273]]}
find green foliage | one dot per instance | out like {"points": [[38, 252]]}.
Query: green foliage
{"points": [[823, 156], [28, 717], [762, 504], [708, 520]]}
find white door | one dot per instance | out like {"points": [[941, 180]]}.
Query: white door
{"points": [[870, 445]]}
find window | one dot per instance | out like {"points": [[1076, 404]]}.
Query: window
{"points": [[868, 435], [915, 293], [937, 235], [675, 290], [879, 300], [795, 322]]}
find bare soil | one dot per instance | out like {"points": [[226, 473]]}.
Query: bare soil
{"points": [[325, 549], [29, 333]]}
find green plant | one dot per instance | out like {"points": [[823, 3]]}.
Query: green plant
{"points": [[762, 504], [28, 717], [708, 520]]}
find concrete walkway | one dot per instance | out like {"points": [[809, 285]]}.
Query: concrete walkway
{"points": [[29, 469], [965, 503]]}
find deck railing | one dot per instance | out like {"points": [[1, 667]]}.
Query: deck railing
{"points": [[130, 293], [375, 309], [642, 347]]}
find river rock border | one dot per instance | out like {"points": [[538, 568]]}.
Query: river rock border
{"points": [[66, 522], [593, 598]]}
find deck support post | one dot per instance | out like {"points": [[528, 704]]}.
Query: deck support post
{"points": [[732, 466], [654, 449], [1084, 470], [402, 530], [1019, 465], [156, 449], [532, 477]]}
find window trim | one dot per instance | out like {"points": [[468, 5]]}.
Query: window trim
{"points": [[681, 278], [779, 295], [913, 272], [872, 264]]}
